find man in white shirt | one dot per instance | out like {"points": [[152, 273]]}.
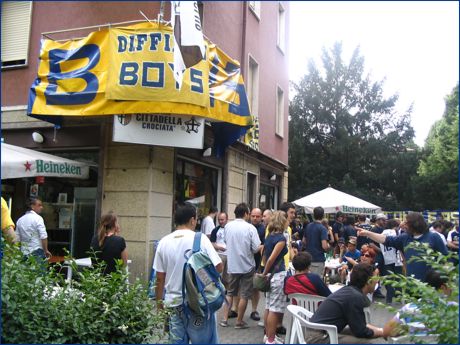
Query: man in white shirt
{"points": [[168, 264], [31, 231], [207, 226], [438, 228], [242, 242]]}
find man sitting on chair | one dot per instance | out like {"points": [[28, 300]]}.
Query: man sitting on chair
{"points": [[346, 308]]}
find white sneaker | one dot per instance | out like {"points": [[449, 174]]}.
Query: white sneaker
{"points": [[261, 323], [278, 340]]}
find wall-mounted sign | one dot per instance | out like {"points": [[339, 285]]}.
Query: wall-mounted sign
{"points": [[157, 129]]}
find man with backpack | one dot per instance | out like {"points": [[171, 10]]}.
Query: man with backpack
{"points": [[173, 252]]}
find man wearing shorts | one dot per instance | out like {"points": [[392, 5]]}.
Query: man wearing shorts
{"points": [[242, 242]]}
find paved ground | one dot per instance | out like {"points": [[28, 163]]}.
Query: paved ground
{"points": [[254, 334]]}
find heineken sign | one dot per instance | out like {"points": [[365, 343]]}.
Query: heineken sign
{"points": [[19, 162], [358, 210], [58, 168]]}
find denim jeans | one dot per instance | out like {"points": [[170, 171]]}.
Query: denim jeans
{"points": [[194, 329], [40, 257]]}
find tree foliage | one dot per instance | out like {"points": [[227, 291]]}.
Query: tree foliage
{"points": [[345, 133], [435, 309], [437, 181]]}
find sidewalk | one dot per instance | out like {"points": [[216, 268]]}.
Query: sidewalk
{"points": [[254, 334]]}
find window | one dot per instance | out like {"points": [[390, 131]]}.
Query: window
{"points": [[279, 112], [251, 183], [268, 198], [16, 19], [255, 8], [281, 27], [198, 184], [253, 86]]}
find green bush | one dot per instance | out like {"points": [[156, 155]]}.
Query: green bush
{"points": [[38, 306], [436, 310]]}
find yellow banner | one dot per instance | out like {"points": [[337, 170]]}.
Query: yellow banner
{"points": [[74, 77], [142, 65]]}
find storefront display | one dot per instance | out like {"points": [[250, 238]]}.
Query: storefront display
{"points": [[62, 205], [199, 184]]}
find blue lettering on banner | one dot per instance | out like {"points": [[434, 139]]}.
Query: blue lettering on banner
{"points": [[212, 78], [196, 80], [160, 66], [128, 73], [122, 44], [131, 43], [141, 39], [167, 46], [56, 56], [155, 38], [242, 108]]}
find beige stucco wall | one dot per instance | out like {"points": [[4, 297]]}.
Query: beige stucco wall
{"points": [[138, 187]]}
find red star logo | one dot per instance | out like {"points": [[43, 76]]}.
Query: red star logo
{"points": [[28, 165]]}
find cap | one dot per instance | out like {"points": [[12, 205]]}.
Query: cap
{"points": [[341, 240], [381, 216], [352, 241]]}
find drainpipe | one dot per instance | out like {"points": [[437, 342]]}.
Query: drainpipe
{"points": [[243, 38]]}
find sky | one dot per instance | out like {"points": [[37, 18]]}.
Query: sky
{"points": [[413, 44]]}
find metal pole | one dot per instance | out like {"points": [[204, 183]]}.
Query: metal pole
{"points": [[162, 11]]}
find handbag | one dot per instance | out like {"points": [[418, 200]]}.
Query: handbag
{"points": [[261, 282]]}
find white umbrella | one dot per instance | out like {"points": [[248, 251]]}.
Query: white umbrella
{"points": [[333, 200], [20, 162]]}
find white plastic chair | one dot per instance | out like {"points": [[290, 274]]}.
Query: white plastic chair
{"points": [[301, 318], [309, 302]]}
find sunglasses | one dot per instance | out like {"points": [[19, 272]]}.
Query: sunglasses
{"points": [[366, 255]]}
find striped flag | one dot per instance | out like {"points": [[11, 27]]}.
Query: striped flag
{"points": [[189, 46]]}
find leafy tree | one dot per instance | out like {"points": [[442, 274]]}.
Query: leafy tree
{"points": [[437, 183], [435, 310], [345, 133]]}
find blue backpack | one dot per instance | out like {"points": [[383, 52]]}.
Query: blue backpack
{"points": [[203, 292]]}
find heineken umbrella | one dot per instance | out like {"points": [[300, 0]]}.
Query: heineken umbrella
{"points": [[20, 162], [333, 200]]}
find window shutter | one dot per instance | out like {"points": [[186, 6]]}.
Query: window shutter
{"points": [[16, 19]]}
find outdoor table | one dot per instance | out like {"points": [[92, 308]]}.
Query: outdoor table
{"points": [[333, 265]]}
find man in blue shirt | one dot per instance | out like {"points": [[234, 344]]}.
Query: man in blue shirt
{"points": [[315, 241], [337, 228], [416, 230]]}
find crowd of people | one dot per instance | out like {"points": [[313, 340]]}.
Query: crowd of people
{"points": [[276, 246]]}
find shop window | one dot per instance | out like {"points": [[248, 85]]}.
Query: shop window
{"points": [[268, 197], [251, 190], [69, 206], [198, 184], [16, 20]]}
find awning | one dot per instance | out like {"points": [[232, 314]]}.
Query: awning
{"points": [[333, 200], [20, 162]]}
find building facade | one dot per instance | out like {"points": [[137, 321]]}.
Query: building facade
{"points": [[142, 183]]}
